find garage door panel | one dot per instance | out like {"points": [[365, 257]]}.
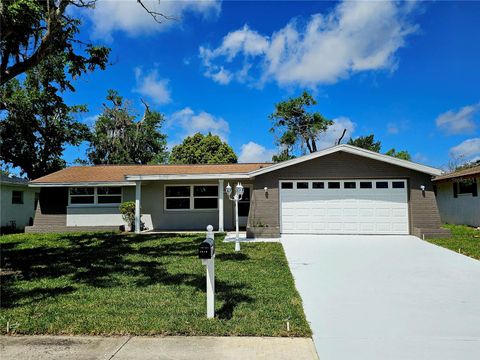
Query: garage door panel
{"points": [[345, 211]]}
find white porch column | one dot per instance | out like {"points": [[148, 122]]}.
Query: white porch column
{"points": [[220, 205], [138, 195]]}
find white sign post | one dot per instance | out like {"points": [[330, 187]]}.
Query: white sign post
{"points": [[210, 265]]}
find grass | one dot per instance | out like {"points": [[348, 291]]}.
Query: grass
{"points": [[108, 283], [465, 240]]}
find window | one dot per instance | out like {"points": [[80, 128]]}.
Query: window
{"points": [[398, 184], [381, 184], [205, 197], [318, 185], [302, 185], [82, 195], [191, 197], [467, 187], [244, 204], [177, 197], [287, 185], [109, 195], [349, 185], [17, 197], [333, 185], [95, 195], [365, 184]]}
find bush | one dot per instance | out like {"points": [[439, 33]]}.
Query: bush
{"points": [[127, 209]]}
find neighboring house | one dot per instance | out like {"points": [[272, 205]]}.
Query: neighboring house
{"points": [[339, 190], [457, 196], [17, 202]]}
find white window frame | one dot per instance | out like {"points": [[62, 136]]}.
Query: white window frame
{"points": [[191, 197], [95, 197]]}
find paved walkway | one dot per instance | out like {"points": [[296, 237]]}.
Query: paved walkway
{"points": [[158, 348], [387, 297]]}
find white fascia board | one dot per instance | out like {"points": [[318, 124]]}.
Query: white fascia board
{"points": [[355, 151], [187, 177], [82, 184]]}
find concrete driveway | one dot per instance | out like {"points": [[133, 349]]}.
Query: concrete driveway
{"points": [[387, 297]]}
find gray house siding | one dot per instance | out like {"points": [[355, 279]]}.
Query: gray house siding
{"points": [[424, 217], [463, 209]]}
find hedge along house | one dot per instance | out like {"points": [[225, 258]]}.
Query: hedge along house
{"points": [[339, 190]]}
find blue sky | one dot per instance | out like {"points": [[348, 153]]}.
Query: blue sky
{"points": [[407, 72]]}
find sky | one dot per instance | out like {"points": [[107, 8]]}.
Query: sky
{"points": [[407, 72]]}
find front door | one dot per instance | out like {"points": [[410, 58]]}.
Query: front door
{"points": [[244, 207]]}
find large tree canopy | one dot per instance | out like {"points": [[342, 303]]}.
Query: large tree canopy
{"points": [[37, 124], [370, 143], [366, 142], [293, 124], [203, 149], [34, 30], [117, 138]]}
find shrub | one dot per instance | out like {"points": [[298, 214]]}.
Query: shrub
{"points": [[127, 209]]}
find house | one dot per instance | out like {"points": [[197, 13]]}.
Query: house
{"points": [[457, 196], [339, 190], [18, 203]]}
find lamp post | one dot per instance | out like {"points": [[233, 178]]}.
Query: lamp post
{"points": [[236, 197]]}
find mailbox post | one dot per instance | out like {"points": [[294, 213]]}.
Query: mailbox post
{"points": [[206, 252]]}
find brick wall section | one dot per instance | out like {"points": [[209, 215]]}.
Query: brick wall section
{"points": [[264, 210]]}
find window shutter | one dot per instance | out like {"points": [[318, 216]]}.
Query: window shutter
{"points": [[475, 188], [455, 189]]}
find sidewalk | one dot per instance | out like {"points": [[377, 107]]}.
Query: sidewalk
{"points": [[158, 348]]}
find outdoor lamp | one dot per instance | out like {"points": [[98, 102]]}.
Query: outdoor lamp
{"points": [[239, 189], [236, 198]]}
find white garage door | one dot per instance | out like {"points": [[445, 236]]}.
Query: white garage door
{"points": [[344, 207]]}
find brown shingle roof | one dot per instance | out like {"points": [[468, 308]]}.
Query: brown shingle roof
{"points": [[117, 173], [466, 173]]}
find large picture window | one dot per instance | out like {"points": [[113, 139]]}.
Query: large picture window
{"points": [[95, 195], [191, 197], [82, 195]]}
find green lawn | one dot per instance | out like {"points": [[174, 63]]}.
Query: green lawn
{"points": [[465, 240], [107, 283]]}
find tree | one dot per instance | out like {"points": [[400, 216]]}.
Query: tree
{"points": [[293, 124], [404, 155], [37, 124], [203, 149], [283, 155], [35, 30], [366, 142], [118, 139]]}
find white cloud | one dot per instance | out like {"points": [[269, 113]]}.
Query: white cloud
{"points": [[151, 86], [253, 152], [459, 122], [222, 76], [333, 133], [190, 123], [355, 36], [128, 16], [392, 128], [420, 158], [90, 120], [467, 150]]}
